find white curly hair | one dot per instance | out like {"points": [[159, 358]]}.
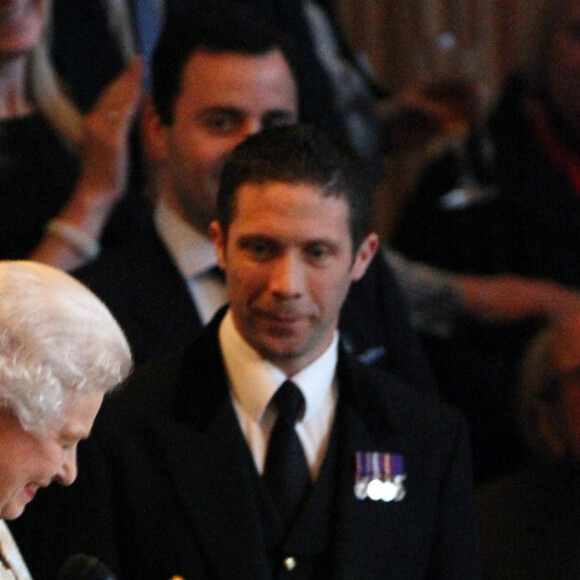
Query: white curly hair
{"points": [[57, 339]]}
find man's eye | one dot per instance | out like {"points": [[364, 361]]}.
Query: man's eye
{"points": [[258, 250], [221, 124], [318, 252]]}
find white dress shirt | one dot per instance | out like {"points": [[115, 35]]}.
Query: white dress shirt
{"points": [[253, 382], [195, 258]]}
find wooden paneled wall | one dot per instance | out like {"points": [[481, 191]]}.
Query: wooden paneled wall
{"points": [[411, 40], [403, 37]]}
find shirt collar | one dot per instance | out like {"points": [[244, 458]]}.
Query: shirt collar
{"points": [[192, 252], [254, 380]]}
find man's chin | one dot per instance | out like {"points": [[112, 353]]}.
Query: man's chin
{"points": [[288, 355], [284, 347]]}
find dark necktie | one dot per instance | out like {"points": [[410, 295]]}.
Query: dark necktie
{"points": [[286, 471]]}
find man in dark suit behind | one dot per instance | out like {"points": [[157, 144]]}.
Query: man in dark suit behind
{"points": [[186, 450], [220, 75]]}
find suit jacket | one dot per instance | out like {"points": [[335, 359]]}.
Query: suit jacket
{"points": [[177, 482], [146, 293]]}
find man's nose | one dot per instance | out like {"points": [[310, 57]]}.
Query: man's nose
{"points": [[68, 469], [287, 278], [250, 127]]}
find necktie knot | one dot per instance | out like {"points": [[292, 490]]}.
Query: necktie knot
{"points": [[216, 273], [289, 401]]}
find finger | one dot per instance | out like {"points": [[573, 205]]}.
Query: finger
{"points": [[127, 87], [133, 74]]}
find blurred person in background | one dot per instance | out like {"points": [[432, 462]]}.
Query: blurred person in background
{"points": [[337, 87], [507, 203], [530, 519], [63, 176]]}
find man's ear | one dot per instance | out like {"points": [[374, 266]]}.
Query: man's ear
{"points": [[364, 255], [153, 134], [219, 243]]}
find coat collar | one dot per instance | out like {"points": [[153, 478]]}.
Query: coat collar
{"points": [[153, 269], [203, 366]]}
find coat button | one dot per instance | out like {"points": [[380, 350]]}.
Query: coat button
{"points": [[290, 563]]}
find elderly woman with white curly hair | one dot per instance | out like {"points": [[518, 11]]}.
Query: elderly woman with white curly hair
{"points": [[61, 351]]}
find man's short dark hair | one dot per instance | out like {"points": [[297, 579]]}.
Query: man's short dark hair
{"points": [[298, 154], [218, 26]]}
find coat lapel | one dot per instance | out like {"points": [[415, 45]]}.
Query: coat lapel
{"points": [[213, 475], [163, 301], [212, 467], [364, 424]]}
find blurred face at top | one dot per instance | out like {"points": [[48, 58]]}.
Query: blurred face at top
{"points": [[224, 98], [563, 64], [21, 26], [29, 462]]}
